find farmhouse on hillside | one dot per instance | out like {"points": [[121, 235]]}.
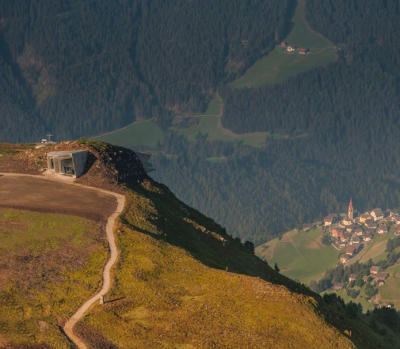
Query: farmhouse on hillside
{"points": [[307, 226], [374, 270], [338, 286], [381, 276], [303, 51]]}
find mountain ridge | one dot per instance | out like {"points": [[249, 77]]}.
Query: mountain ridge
{"points": [[178, 265]]}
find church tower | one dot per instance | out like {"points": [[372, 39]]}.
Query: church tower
{"points": [[350, 212]]}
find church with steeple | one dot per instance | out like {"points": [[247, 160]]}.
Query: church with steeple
{"points": [[350, 211]]}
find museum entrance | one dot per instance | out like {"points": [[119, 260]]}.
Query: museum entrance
{"points": [[67, 167]]}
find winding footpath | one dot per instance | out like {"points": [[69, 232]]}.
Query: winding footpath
{"points": [[69, 326], [106, 277]]}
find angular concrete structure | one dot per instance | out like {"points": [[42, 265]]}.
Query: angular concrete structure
{"points": [[144, 159], [68, 163]]}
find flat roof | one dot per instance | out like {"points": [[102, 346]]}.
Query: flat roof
{"points": [[61, 153]]}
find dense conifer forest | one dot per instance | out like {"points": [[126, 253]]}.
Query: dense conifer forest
{"points": [[347, 112], [79, 68], [260, 193]]}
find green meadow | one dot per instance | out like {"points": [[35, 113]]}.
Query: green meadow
{"points": [[375, 249], [279, 66], [146, 133], [359, 299], [390, 292], [51, 263], [300, 255]]}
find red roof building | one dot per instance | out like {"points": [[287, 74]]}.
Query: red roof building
{"points": [[303, 50], [351, 250]]}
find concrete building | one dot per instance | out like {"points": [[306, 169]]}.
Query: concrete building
{"points": [[144, 159], [68, 163]]}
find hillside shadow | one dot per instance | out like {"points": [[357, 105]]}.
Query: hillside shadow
{"points": [[291, 9], [179, 225], [205, 240]]}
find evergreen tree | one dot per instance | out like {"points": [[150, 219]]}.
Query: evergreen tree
{"points": [[276, 268]]}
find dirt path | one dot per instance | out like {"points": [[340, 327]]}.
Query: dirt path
{"points": [[106, 280], [69, 326]]}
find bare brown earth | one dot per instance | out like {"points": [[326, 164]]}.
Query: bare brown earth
{"points": [[43, 195]]}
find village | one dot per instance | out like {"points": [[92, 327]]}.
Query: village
{"points": [[352, 232]]}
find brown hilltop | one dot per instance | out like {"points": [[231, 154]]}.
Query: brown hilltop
{"points": [[108, 166]]}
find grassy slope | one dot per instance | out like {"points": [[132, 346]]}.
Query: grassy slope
{"points": [[146, 133], [300, 255], [50, 264], [13, 149], [279, 66], [376, 249], [172, 290], [360, 299], [390, 292], [298, 261], [210, 123]]}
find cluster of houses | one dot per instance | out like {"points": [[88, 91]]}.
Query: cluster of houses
{"points": [[376, 278], [292, 49], [351, 231]]}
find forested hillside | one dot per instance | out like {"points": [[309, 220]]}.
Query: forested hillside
{"points": [[258, 193], [348, 111], [339, 124], [81, 68]]}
